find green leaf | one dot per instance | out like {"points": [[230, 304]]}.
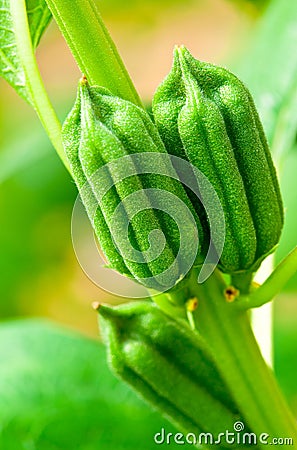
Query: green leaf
{"points": [[56, 392], [288, 239], [39, 17], [269, 69], [11, 66]]}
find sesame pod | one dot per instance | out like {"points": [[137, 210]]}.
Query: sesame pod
{"points": [[110, 131], [169, 365], [71, 139], [206, 115]]}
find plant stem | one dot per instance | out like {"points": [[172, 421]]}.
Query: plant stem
{"points": [[242, 281], [227, 330], [92, 46], [34, 84], [166, 303], [273, 285], [173, 302]]}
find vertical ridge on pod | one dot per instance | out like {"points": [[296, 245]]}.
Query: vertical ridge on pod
{"points": [[71, 139], [250, 148], [99, 147]]}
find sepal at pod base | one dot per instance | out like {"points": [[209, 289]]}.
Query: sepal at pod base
{"points": [[170, 366], [206, 115], [130, 208]]}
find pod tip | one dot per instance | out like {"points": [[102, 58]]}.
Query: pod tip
{"points": [[83, 81], [96, 306]]}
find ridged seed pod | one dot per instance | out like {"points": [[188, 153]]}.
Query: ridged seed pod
{"points": [[207, 116], [169, 365], [134, 209]]}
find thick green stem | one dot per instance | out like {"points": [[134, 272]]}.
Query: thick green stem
{"points": [[251, 382], [92, 46]]}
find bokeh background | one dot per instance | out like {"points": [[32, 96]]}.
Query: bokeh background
{"points": [[39, 274]]}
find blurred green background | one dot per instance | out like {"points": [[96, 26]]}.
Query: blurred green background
{"points": [[39, 274]]}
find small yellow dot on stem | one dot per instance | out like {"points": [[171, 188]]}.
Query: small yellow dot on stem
{"points": [[231, 293]]}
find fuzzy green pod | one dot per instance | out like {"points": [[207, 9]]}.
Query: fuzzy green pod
{"points": [[169, 365], [207, 116], [134, 209]]}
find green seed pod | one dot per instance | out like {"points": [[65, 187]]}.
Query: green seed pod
{"points": [[134, 209], [71, 139], [207, 116], [169, 365]]}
